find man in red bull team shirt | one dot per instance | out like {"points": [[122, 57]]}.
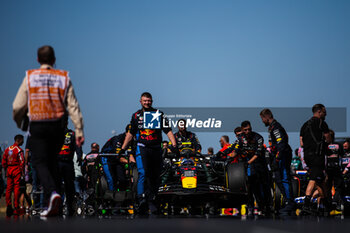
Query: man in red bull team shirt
{"points": [[148, 152]]}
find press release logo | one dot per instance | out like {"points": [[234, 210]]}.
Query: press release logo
{"points": [[226, 119], [151, 120]]}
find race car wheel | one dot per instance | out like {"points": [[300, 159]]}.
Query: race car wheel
{"points": [[102, 187], [296, 186], [236, 179], [277, 198], [135, 175]]}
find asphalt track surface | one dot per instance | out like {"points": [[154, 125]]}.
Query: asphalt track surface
{"points": [[306, 224]]}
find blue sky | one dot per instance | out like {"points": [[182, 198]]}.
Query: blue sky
{"points": [[186, 53]]}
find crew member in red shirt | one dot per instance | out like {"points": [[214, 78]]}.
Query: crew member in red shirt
{"points": [[13, 163], [227, 148], [224, 142]]}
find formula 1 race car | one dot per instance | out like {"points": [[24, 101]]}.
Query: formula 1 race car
{"points": [[303, 179], [194, 184], [346, 198]]}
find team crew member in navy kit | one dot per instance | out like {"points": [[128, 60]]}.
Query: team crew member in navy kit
{"points": [[251, 145], [186, 139], [334, 154], [346, 156], [313, 137], [250, 149], [148, 153], [66, 167], [114, 167], [282, 152]]}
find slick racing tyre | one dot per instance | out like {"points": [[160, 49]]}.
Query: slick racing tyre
{"points": [[135, 175], [102, 187], [236, 179], [277, 198], [296, 186]]}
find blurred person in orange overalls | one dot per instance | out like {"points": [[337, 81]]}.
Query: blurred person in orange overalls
{"points": [[13, 163]]}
